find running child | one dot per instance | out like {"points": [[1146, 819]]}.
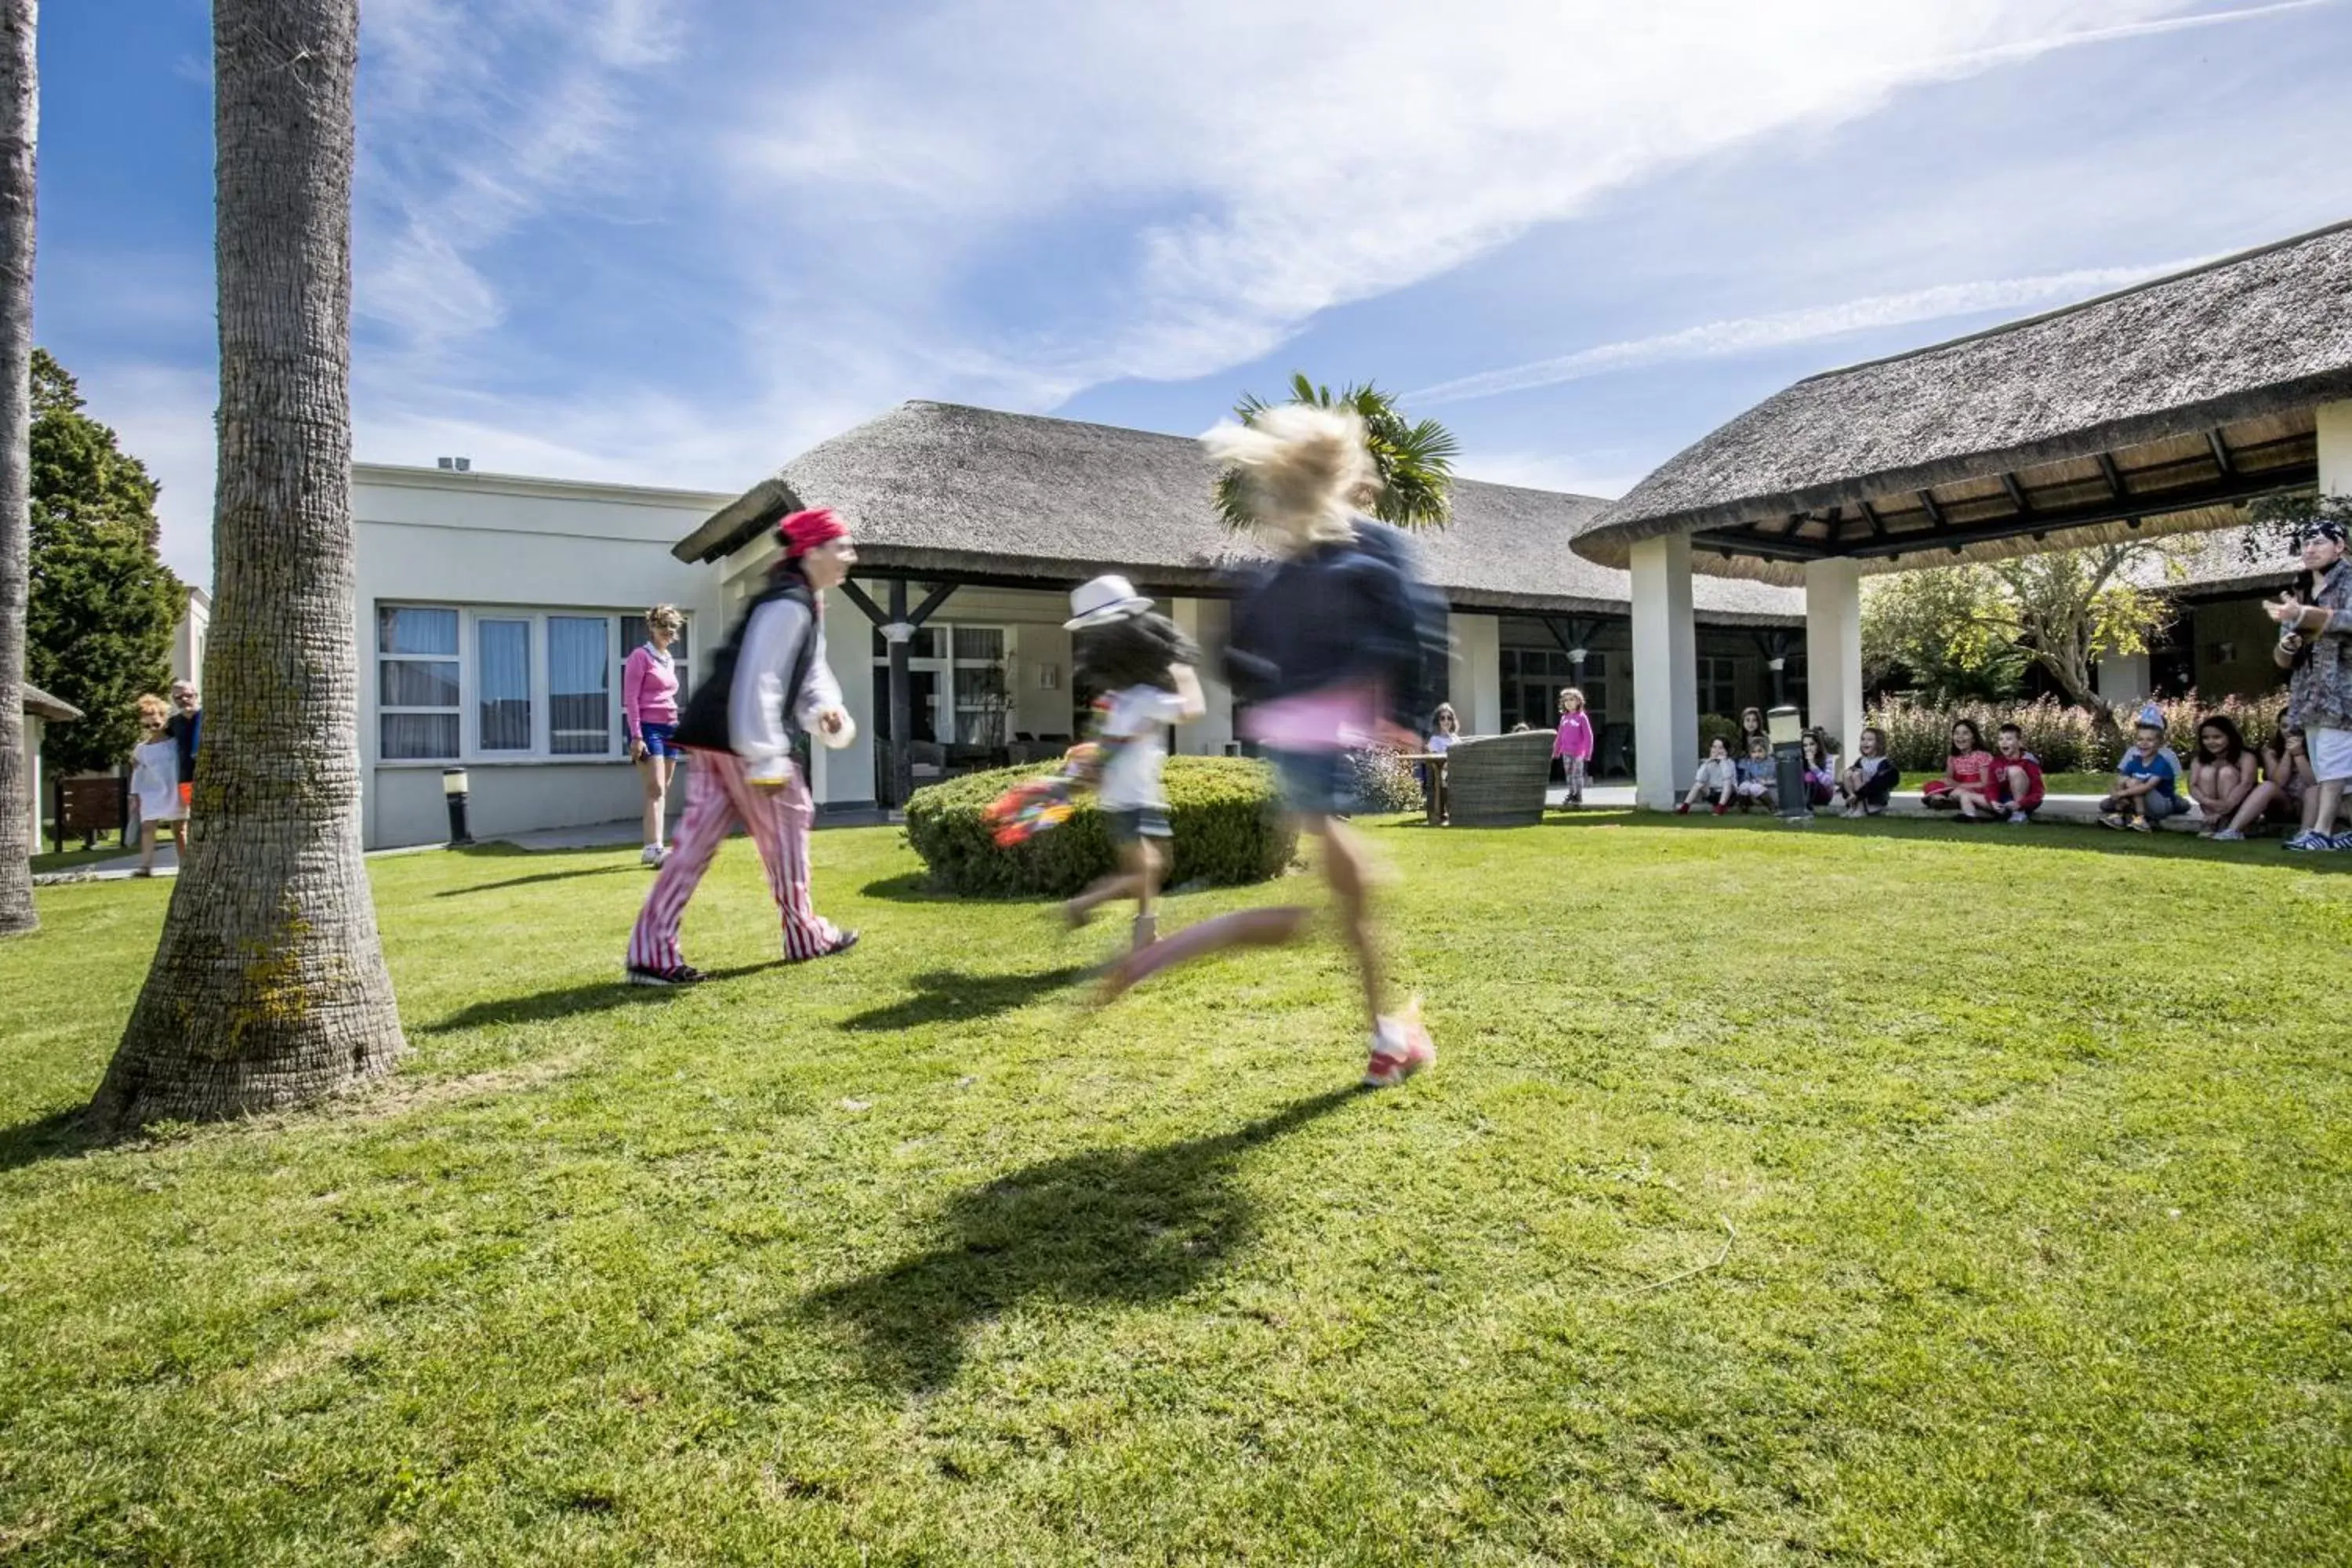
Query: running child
{"points": [[1145, 669]]}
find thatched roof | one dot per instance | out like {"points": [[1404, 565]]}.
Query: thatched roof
{"points": [[2161, 408], [41, 705], [1027, 501]]}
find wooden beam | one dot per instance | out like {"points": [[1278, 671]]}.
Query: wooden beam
{"points": [[1870, 514], [2130, 510], [2107, 471], [1934, 514], [932, 601], [864, 603], [2016, 493]]}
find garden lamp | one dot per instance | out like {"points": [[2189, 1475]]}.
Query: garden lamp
{"points": [[454, 790], [1786, 725]]}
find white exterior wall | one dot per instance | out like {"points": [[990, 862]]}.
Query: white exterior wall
{"points": [[1475, 672], [1206, 622], [485, 541], [2336, 448], [188, 638], [1665, 672]]}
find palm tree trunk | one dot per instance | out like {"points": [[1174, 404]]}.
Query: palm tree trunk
{"points": [[20, 122], [270, 987]]}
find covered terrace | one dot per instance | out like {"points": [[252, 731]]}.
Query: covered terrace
{"points": [[2163, 408]]}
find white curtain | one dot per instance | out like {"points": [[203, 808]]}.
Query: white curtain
{"points": [[579, 685], [505, 681]]}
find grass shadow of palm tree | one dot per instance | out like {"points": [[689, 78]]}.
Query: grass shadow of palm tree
{"points": [[535, 878], [944, 997], [572, 1001], [1107, 1226], [60, 1135]]}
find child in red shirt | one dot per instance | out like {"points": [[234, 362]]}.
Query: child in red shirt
{"points": [[2019, 774], [1969, 783]]}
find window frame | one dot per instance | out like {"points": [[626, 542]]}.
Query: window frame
{"points": [[470, 617], [944, 667]]}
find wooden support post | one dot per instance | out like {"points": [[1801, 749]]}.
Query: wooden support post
{"points": [[902, 697]]}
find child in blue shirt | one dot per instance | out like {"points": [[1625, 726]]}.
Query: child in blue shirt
{"points": [[2147, 784], [1759, 774]]}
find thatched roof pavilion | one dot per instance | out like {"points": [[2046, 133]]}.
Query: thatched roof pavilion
{"points": [[2161, 408], [942, 492]]}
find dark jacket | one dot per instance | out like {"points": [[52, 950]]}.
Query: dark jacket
{"points": [[1344, 611], [763, 687], [183, 729]]}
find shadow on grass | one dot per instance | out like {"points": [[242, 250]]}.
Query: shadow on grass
{"points": [[2175, 843], [60, 1135], [540, 877], [576, 1001], [1106, 1226], [912, 888], [943, 996]]}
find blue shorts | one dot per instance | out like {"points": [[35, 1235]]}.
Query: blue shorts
{"points": [[1314, 783], [1128, 824], [661, 740]]}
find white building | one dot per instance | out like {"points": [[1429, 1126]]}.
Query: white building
{"points": [[494, 612], [40, 710]]}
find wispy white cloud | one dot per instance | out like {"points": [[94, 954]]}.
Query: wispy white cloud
{"points": [[1718, 339]]}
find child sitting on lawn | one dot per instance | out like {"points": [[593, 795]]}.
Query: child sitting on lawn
{"points": [[1820, 768], [1146, 666], [2147, 784], [1968, 783], [1758, 776], [2286, 784], [2222, 777], [2019, 774], [1717, 779], [1870, 782]]}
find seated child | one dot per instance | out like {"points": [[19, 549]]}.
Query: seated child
{"points": [[1871, 781], [2147, 784], [1717, 780], [1758, 776], [1967, 785], [1821, 769], [2018, 773], [2286, 781], [2222, 778]]}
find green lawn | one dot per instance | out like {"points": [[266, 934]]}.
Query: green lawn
{"points": [[2035, 1215]]}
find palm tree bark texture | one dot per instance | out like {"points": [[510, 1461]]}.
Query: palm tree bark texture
{"points": [[270, 987], [20, 122]]}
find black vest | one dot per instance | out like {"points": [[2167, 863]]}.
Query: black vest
{"points": [[704, 720]]}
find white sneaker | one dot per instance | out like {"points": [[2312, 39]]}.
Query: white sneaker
{"points": [[654, 856], [2228, 836], [2018, 819], [1400, 1047]]}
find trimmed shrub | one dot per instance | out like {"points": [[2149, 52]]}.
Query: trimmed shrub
{"points": [[1226, 811], [1714, 727], [1384, 781]]}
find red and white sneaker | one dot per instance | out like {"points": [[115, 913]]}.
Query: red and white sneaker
{"points": [[1400, 1047]]}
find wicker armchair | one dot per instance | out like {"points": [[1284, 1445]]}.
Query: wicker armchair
{"points": [[1497, 781]]}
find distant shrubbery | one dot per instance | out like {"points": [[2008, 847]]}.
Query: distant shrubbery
{"points": [[1384, 781], [1227, 819]]}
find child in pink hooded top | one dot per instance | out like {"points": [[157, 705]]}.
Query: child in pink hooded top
{"points": [[1573, 745]]}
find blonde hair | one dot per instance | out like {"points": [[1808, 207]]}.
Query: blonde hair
{"points": [[1568, 691], [665, 616], [154, 709], [1305, 467]]}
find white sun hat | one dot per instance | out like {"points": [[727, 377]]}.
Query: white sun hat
{"points": [[1105, 599]]}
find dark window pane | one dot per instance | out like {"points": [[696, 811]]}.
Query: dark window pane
{"points": [[407, 630], [418, 737], [504, 680], [419, 683], [579, 686]]}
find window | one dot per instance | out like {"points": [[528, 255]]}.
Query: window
{"points": [[982, 699], [1718, 685], [417, 673], [502, 686], [961, 693], [498, 684], [580, 685]]}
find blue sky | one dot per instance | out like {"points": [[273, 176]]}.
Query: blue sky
{"points": [[677, 241]]}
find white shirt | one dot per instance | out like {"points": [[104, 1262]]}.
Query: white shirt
{"points": [[155, 780], [1132, 778], [755, 703]]}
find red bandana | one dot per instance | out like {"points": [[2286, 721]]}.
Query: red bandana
{"points": [[804, 531]]}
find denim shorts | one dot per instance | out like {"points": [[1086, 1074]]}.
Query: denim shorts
{"points": [[1314, 783], [661, 740], [1128, 824]]}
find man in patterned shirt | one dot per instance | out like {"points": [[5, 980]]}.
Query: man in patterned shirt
{"points": [[2313, 643]]}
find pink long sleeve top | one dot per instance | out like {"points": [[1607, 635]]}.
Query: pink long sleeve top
{"points": [[649, 690], [1575, 738]]}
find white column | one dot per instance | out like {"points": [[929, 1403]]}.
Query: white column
{"points": [[1475, 672], [1834, 648], [1665, 672], [2123, 677], [2336, 448], [1206, 621]]}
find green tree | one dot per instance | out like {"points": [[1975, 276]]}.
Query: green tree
{"points": [[2274, 522], [1416, 460], [103, 604], [1977, 625]]}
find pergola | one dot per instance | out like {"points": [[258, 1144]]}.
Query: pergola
{"points": [[2164, 408]]}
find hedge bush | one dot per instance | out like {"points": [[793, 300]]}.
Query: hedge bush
{"points": [[1226, 811], [1384, 781]]}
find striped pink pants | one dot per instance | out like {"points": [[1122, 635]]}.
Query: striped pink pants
{"points": [[718, 796]]}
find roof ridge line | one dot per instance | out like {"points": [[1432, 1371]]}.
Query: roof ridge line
{"points": [[2023, 321]]}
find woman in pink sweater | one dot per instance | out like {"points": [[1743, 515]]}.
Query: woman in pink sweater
{"points": [[649, 714], [1573, 745]]}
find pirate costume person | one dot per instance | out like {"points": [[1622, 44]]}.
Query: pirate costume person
{"points": [[2314, 647], [768, 685]]}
